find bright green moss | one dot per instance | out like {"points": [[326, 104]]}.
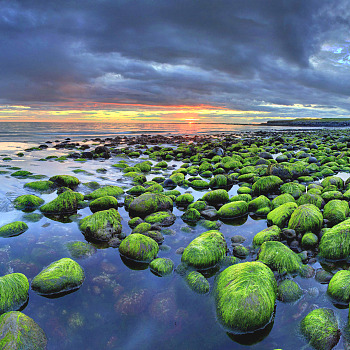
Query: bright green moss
{"points": [[306, 218], [61, 276], [339, 287], [162, 218], [281, 215], [145, 167], [21, 173], [13, 229], [205, 250], [279, 257], [260, 205], [282, 199], [136, 190], [65, 204], [233, 210], [329, 195], [197, 282], [27, 202], [320, 329], [292, 188], [79, 250], [333, 180], [142, 227], [199, 205], [178, 178], [241, 197], [114, 191], [200, 184], [162, 266], [13, 292], [149, 203], [266, 185], [19, 332], [309, 241], [139, 247], [216, 197], [336, 211], [65, 180], [183, 200], [245, 296], [191, 215], [335, 243], [102, 225], [219, 181], [152, 186], [271, 233], [103, 203], [311, 198], [40, 186], [289, 291], [244, 190]]}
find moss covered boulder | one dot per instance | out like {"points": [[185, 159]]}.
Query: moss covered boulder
{"points": [[13, 292], [272, 233], [205, 250], [266, 185], [28, 202], [336, 181], [281, 215], [114, 191], [162, 266], [149, 203], [102, 225], [245, 296], [62, 276], [162, 218], [41, 186], [336, 211], [197, 282], [309, 240], [279, 257], [335, 243], [289, 291], [311, 198], [260, 205], [183, 200], [282, 199], [65, 181], [320, 329], [216, 197], [306, 218], [339, 287], [65, 204], [233, 210], [191, 215], [139, 247], [80, 250], [103, 203], [293, 188], [19, 332], [219, 181], [13, 229]]}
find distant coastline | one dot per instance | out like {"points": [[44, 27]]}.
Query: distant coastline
{"points": [[306, 122]]}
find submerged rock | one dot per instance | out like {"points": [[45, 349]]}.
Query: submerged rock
{"points": [[79, 250], [19, 332], [197, 282], [62, 276]]}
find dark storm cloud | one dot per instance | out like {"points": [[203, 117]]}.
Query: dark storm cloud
{"points": [[241, 54]]}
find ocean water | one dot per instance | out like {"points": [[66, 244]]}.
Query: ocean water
{"points": [[119, 307]]}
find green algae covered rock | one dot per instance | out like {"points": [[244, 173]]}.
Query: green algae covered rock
{"points": [[20, 332], [306, 218], [289, 291], [28, 202], [336, 211], [282, 199], [197, 282], [79, 250], [245, 296], [162, 266], [139, 247], [114, 191], [266, 185], [339, 287], [142, 227], [40, 186], [65, 181], [233, 210], [149, 203], [199, 205], [335, 243], [199, 184], [183, 200], [279, 257], [13, 292], [177, 178], [162, 218], [241, 197], [219, 181], [205, 250], [311, 198], [65, 204], [293, 188], [103, 203], [271, 233], [260, 205], [216, 197], [309, 240], [62, 276], [13, 229], [320, 329], [281, 215], [191, 215], [102, 225], [333, 180]]}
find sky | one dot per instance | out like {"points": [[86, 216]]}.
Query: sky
{"points": [[232, 61]]}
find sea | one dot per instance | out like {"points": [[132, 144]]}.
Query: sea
{"points": [[120, 306]]}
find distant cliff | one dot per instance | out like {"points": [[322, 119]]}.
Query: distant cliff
{"points": [[325, 122]]}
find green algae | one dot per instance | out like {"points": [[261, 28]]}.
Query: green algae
{"points": [[149, 203], [102, 225], [183, 200], [245, 296], [162, 266], [65, 180], [309, 241], [139, 247], [65, 204], [13, 229], [272, 233], [19, 332], [216, 197], [289, 291], [199, 205], [266, 185], [14, 289], [103, 203], [260, 205], [197, 282], [336, 211], [80, 250], [27, 202], [306, 218], [206, 250], [61, 276], [40, 186], [282, 199], [281, 215], [233, 210], [311, 198], [114, 191], [339, 287], [162, 218], [191, 215], [21, 173]]}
